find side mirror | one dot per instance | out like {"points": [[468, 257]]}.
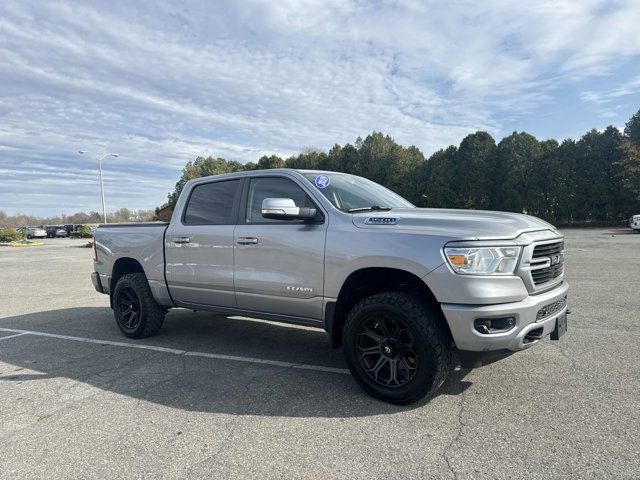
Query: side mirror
{"points": [[285, 209]]}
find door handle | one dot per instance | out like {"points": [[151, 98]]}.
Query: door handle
{"points": [[180, 239], [247, 240]]}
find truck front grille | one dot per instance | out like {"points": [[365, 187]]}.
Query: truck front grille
{"points": [[548, 249], [547, 274], [547, 262]]}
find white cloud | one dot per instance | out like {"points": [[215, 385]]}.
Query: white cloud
{"points": [[163, 82], [629, 87]]}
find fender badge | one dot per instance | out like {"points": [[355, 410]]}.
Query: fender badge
{"points": [[381, 221], [294, 288]]}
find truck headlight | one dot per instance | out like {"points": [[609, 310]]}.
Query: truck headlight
{"points": [[483, 260]]}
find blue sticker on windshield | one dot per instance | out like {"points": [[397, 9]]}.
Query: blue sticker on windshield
{"points": [[322, 181]]}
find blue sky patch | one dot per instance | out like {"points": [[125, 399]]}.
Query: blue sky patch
{"points": [[163, 85]]}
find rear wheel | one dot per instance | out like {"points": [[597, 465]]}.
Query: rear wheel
{"points": [[396, 347], [137, 313]]}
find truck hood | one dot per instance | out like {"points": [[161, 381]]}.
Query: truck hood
{"points": [[455, 224]]}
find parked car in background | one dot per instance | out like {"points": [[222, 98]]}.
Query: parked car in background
{"points": [[634, 222], [55, 231], [33, 232], [82, 231]]}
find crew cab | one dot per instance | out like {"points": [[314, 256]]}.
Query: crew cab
{"points": [[406, 292]]}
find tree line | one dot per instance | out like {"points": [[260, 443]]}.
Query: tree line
{"points": [[595, 179], [120, 215]]}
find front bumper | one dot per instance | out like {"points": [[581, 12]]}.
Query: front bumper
{"points": [[461, 322]]}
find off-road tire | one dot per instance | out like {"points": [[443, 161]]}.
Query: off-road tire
{"points": [[151, 315], [430, 337]]}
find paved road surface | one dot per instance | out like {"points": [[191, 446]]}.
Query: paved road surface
{"points": [[78, 400]]}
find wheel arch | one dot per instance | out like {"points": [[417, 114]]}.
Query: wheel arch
{"points": [[369, 281], [123, 266]]}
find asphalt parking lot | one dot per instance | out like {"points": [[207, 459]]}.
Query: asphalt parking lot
{"points": [[226, 398]]}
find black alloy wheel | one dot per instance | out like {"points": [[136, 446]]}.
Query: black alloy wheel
{"points": [[129, 308], [386, 351], [397, 347], [134, 307]]}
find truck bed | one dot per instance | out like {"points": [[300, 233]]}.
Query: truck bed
{"points": [[127, 242]]}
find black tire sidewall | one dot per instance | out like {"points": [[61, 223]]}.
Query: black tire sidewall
{"points": [[123, 283], [429, 360]]}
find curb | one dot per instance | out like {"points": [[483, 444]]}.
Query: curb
{"points": [[21, 244]]}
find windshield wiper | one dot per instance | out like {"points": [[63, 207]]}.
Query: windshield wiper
{"points": [[372, 208]]}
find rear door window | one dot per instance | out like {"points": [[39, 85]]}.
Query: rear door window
{"points": [[213, 203]]}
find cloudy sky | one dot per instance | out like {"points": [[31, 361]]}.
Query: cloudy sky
{"points": [[163, 82]]}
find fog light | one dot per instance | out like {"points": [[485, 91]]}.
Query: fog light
{"points": [[487, 326]]}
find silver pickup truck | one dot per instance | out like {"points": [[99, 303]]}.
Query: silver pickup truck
{"points": [[405, 291]]}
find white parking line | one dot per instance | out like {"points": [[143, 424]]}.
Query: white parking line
{"points": [[262, 361], [12, 336]]}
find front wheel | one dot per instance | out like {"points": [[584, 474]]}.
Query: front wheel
{"points": [[396, 347], [136, 311]]}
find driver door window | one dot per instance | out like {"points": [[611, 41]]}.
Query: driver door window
{"points": [[273, 187]]}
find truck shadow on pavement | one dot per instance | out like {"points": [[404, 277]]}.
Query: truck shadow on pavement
{"points": [[194, 382]]}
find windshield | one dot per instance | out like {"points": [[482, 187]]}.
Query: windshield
{"points": [[348, 192]]}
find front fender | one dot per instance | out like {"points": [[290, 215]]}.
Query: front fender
{"points": [[348, 251]]}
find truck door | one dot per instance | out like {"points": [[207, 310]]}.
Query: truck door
{"points": [[199, 246], [279, 264]]}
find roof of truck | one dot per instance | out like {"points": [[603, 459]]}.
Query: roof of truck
{"points": [[247, 173]]}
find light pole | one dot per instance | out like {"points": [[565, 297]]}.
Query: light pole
{"points": [[100, 158]]}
